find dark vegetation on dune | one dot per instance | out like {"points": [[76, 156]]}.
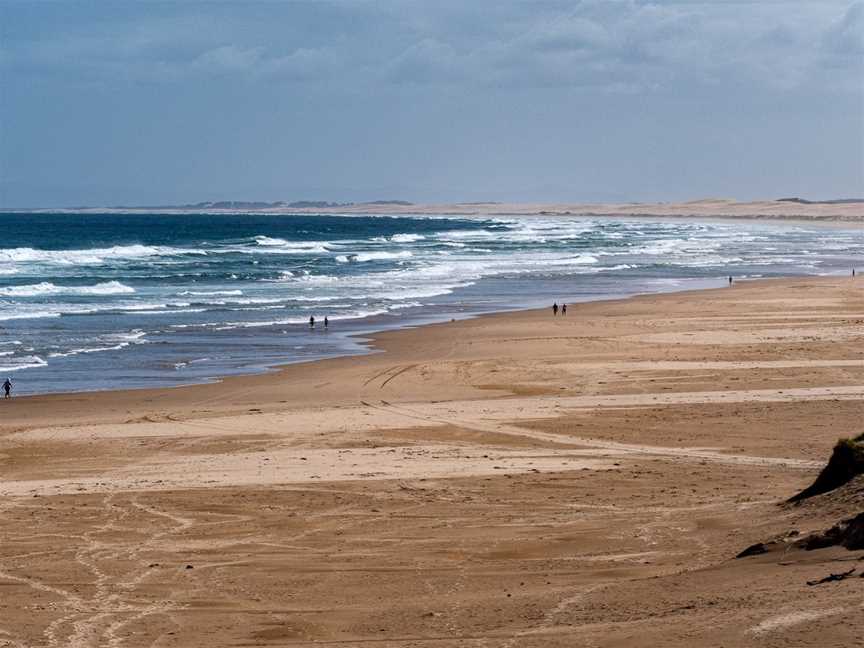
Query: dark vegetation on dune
{"points": [[848, 533], [837, 201], [846, 463]]}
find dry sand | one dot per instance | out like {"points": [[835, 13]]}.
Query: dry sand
{"points": [[513, 480]]}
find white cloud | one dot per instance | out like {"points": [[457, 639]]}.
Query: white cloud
{"points": [[594, 44], [428, 60], [568, 34], [631, 45], [303, 64], [227, 59], [844, 39]]}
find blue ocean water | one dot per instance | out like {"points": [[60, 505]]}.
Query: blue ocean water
{"points": [[100, 301]]}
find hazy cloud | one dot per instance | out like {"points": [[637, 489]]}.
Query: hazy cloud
{"points": [[628, 42], [227, 58], [649, 45], [428, 60], [844, 39], [359, 99]]}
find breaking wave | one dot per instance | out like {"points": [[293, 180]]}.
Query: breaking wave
{"points": [[48, 288]]}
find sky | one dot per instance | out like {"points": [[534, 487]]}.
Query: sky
{"points": [[149, 103]]}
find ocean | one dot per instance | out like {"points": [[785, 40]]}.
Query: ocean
{"points": [[108, 301]]}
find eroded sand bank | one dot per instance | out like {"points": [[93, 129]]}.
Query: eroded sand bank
{"points": [[514, 480]]}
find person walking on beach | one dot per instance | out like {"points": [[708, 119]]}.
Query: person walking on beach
{"points": [[563, 309], [554, 309], [326, 322], [311, 321], [7, 388], [730, 281]]}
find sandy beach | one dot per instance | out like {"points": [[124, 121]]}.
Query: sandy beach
{"points": [[512, 480]]}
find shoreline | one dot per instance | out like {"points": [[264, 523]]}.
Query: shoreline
{"points": [[376, 344], [364, 341], [367, 341]]}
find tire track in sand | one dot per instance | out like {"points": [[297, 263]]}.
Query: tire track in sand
{"points": [[619, 449]]}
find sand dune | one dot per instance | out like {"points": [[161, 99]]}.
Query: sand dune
{"points": [[848, 212], [843, 213]]}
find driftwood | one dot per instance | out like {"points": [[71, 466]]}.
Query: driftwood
{"points": [[832, 577]]}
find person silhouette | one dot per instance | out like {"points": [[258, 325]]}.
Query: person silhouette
{"points": [[555, 308], [7, 388], [326, 322], [563, 309], [311, 321]]}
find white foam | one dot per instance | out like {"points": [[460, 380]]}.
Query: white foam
{"points": [[281, 246], [25, 362], [210, 293], [579, 259], [246, 301], [255, 300], [468, 234], [48, 288], [674, 247], [358, 314], [39, 314], [228, 326], [93, 256], [362, 257], [312, 279], [266, 240], [407, 238], [171, 311], [131, 336], [381, 256], [74, 352], [138, 306]]}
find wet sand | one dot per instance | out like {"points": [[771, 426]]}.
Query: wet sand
{"points": [[512, 480]]}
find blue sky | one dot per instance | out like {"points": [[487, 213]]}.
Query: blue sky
{"points": [[105, 103]]}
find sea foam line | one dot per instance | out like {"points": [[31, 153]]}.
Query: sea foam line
{"points": [[48, 288]]}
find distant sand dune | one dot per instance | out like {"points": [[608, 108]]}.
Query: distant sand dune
{"points": [[847, 213]]}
